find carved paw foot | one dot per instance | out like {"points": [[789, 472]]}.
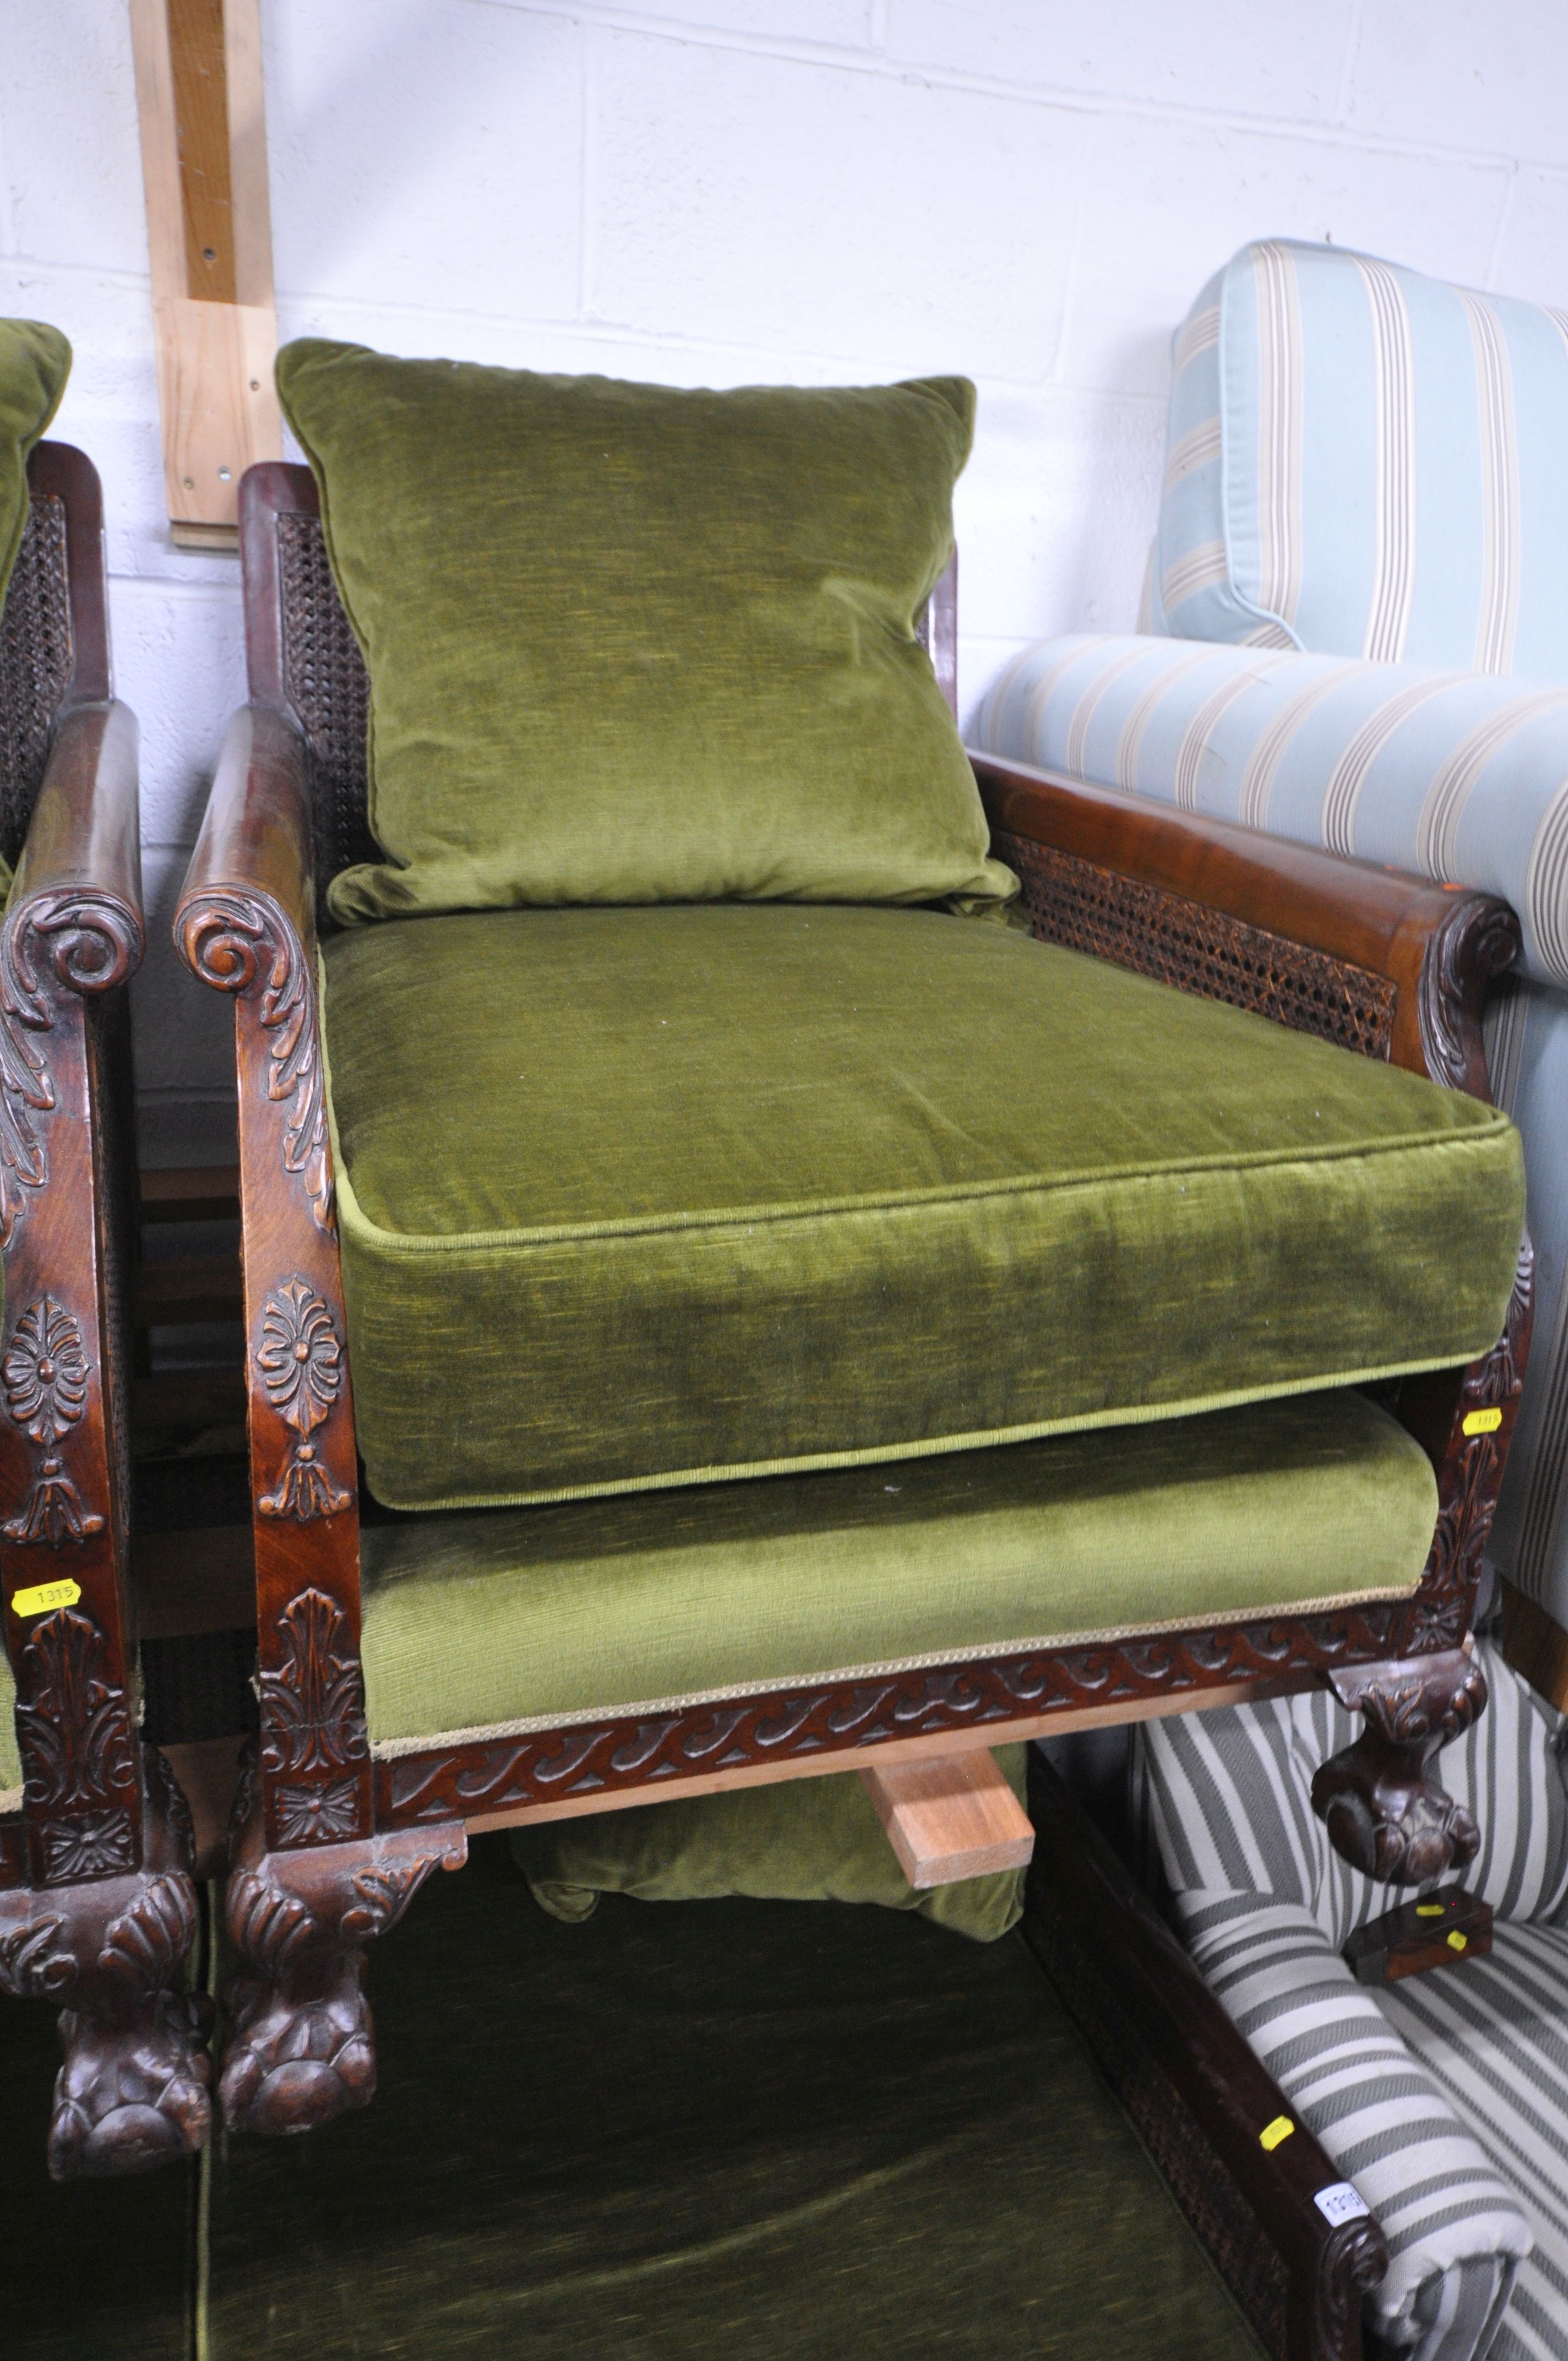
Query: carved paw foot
{"points": [[111, 1954], [1384, 1811], [294, 2064], [133, 2096], [301, 2044]]}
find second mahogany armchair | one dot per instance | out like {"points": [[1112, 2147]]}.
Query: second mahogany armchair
{"points": [[97, 1904], [787, 1325]]}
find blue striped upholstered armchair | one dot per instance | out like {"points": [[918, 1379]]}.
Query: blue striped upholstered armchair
{"points": [[1356, 634]]}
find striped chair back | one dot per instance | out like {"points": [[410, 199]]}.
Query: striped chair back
{"points": [[1221, 1804], [1362, 461]]}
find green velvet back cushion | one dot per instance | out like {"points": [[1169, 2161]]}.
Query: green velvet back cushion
{"points": [[35, 362], [816, 1840], [631, 644]]}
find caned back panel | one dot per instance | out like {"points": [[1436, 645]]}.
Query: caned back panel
{"points": [[36, 659]]}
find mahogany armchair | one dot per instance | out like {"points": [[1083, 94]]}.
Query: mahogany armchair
{"points": [[97, 1906], [356, 1795]]}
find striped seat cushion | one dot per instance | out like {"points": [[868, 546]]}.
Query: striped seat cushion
{"points": [[1456, 2234], [1463, 2178], [1495, 2040], [1449, 774], [1368, 462]]}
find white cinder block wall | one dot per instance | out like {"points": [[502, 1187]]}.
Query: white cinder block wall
{"points": [[724, 191]]}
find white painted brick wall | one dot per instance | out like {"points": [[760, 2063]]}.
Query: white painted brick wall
{"points": [[725, 190]]}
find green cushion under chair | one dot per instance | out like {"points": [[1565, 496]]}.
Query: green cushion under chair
{"points": [[10, 1760], [499, 1621], [645, 1196], [634, 644], [35, 362], [805, 1840]]}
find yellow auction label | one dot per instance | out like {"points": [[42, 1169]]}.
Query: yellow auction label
{"points": [[1272, 2134], [1456, 1941], [1482, 1422], [1428, 1910], [45, 1595]]}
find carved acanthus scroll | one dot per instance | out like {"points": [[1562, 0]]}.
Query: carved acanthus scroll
{"points": [[1478, 942], [232, 942], [313, 1736], [88, 944], [1470, 1478], [79, 1758]]}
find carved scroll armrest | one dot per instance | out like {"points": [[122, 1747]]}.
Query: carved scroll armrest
{"points": [[76, 902], [255, 837], [1299, 2269], [1440, 948], [246, 925]]}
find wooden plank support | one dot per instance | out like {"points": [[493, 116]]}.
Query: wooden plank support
{"points": [[198, 65], [952, 1817], [190, 1192]]}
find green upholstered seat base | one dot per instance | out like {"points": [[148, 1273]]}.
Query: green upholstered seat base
{"points": [[658, 1196], [505, 1620]]}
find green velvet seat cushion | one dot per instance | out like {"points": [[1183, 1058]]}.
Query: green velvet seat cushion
{"points": [[639, 643], [749, 2133], [801, 1840], [502, 1621], [35, 362], [636, 1196], [10, 1759]]}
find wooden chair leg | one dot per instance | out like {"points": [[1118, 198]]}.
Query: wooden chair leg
{"points": [[301, 2045], [133, 2090], [1379, 1799]]}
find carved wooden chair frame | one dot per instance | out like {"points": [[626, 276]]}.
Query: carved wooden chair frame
{"points": [[97, 1907], [330, 1844]]}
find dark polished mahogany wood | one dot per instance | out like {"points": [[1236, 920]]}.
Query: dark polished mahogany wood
{"points": [[299, 2048], [1198, 2095], [1336, 944], [97, 1909]]}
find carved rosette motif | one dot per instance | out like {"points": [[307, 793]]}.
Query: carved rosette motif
{"points": [[299, 1362], [234, 942], [87, 943], [313, 1739], [79, 1760], [46, 1372], [323, 1814]]}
